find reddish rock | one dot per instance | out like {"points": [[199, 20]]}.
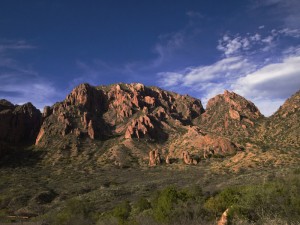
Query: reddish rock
{"points": [[19, 124], [187, 158], [167, 160], [228, 114], [40, 135], [150, 100], [234, 114], [224, 218], [91, 131], [154, 158], [138, 127]]}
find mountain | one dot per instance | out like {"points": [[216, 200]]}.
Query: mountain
{"points": [[19, 124], [121, 123], [231, 115], [101, 145]]}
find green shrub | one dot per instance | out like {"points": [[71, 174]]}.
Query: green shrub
{"points": [[164, 202], [75, 210], [142, 204], [280, 199], [122, 212], [219, 203]]}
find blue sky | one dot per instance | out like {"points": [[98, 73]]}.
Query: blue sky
{"points": [[200, 48]]}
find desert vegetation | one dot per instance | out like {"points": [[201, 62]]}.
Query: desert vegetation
{"points": [[277, 201]]}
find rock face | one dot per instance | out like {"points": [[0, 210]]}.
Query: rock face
{"points": [[18, 124], [80, 114], [202, 144], [229, 114], [154, 158], [123, 123], [129, 110]]}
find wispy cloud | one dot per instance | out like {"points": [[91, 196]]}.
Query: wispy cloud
{"points": [[20, 83], [6, 45], [266, 82]]}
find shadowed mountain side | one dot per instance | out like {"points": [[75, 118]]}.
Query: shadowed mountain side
{"points": [[19, 125]]}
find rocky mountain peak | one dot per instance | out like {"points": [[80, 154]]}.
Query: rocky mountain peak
{"points": [[18, 123], [291, 105], [4, 104], [235, 103], [230, 114], [126, 110]]}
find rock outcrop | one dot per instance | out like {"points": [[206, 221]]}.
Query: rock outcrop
{"points": [[231, 115], [79, 115], [224, 218], [154, 158], [133, 111], [19, 123]]}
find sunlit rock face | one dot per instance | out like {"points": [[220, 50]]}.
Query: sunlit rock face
{"points": [[230, 114]]}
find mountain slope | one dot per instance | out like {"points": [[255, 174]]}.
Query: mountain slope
{"points": [[231, 115], [283, 128], [121, 123], [118, 121]]}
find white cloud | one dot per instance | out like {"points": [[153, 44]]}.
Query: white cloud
{"points": [[272, 81], [230, 46], [268, 106], [290, 32], [223, 69], [248, 68], [169, 79], [238, 44], [228, 67]]}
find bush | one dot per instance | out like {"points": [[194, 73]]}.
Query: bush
{"points": [[279, 199], [142, 204], [250, 204], [122, 212], [164, 202], [75, 212], [218, 204]]}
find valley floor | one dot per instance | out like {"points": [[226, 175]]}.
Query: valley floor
{"points": [[42, 191]]}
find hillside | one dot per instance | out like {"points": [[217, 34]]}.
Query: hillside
{"points": [[105, 145], [282, 128]]}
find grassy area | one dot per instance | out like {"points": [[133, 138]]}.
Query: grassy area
{"points": [[169, 194]]}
